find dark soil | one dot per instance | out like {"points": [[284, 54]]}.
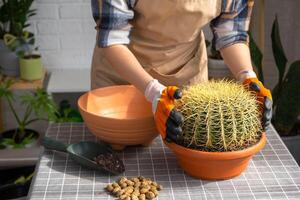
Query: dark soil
{"points": [[110, 162], [10, 133], [33, 56], [9, 190]]}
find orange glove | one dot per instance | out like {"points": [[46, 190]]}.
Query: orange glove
{"points": [[167, 118], [264, 96]]}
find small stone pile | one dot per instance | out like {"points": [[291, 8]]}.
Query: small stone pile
{"points": [[136, 188]]}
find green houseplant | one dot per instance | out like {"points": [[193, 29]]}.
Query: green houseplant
{"points": [[38, 103], [221, 128], [286, 93], [14, 15], [67, 114]]}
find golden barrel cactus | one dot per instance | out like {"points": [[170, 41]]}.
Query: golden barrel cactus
{"points": [[219, 116]]}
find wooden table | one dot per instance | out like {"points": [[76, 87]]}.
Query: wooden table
{"points": [[19, 84]]}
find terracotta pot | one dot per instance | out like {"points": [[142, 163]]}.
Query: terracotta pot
{"points": [[118, 115], [215, 165]]}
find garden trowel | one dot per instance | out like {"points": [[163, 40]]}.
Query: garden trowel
{"points": [[88, 153]]}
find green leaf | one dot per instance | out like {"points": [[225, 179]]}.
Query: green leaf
{"points": [[41, 103], [21, 54], [67, 114], [29, 177], [7, 142], [20, 180], [32, 14], [28, 139], [278, 51], [75, 116], [256, 57], [288, 103], [4, 89]]}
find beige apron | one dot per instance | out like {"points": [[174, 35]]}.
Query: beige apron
{"points": [[167, 40]]}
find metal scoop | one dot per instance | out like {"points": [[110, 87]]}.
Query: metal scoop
{"points": [[84, 153]]}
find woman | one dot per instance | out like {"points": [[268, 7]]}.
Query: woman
{"points": [[158, 45]]}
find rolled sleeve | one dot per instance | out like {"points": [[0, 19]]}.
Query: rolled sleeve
{"points": [[232, 25], [112, 18]]}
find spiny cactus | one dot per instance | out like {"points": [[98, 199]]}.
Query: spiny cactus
{"points": [[219, 116]]}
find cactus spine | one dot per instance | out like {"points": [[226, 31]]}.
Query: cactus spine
{"points": [[219, 116]]}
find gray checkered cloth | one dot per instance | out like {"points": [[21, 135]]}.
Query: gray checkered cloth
{"points": [[272, 174]]}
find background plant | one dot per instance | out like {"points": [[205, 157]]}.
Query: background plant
{"points": [[38, 106], [67, 114], [219, 116], [286, 93], [23, 45], [14, 15]]}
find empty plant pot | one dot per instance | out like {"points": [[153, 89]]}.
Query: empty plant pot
{"points": [[215, 165], [118, 115]]}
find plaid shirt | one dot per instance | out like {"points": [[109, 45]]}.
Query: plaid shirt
{"points": [[113, 16]]}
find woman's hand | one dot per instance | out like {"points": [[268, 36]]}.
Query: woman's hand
{"points": [[167, 118], [238, 59], [264, 97]]}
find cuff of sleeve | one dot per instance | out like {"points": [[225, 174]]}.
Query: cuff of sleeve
{"points": [[226, 42], [112, 37]]}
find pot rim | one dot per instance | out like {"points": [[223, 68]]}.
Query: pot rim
{"points": [[38, 56], [81, 107], [205, 155]]}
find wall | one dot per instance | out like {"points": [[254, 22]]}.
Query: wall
{"points": [[65, 33]]}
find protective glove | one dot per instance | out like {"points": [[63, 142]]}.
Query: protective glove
{"points": [[167, 118], [264, 96]]}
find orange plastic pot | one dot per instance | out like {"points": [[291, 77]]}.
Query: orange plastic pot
{"points": [[118, 115], [215, 165]]}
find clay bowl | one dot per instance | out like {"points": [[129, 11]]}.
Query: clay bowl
{"points": [[118, 115]]}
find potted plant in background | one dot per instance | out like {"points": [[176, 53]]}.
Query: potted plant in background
{"points": [[38, 106], [217, 69], [31, 67], [17, 171], [221, 130], [286, 93], [67, 114], [14, 15]]}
